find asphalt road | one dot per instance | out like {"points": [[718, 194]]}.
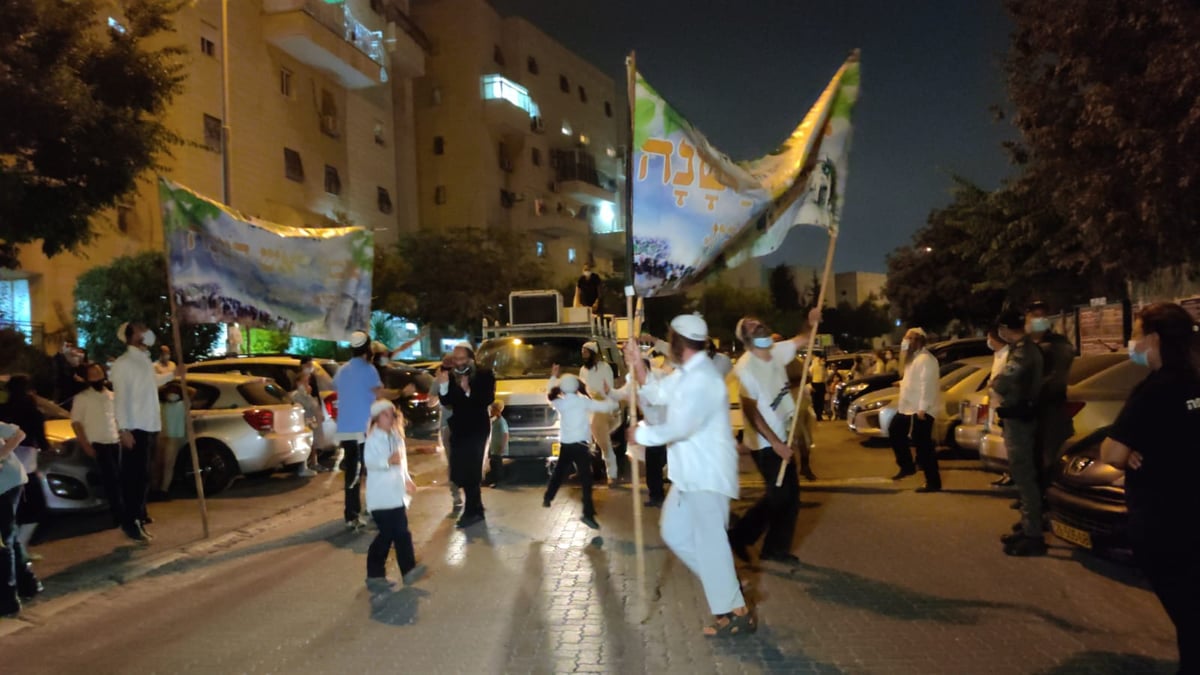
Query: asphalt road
{"points": [[891, 582]]}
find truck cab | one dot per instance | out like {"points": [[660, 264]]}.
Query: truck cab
{"points": [[521, 354]]}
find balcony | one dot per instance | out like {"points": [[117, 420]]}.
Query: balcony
{"points": [[558, 226], [328, 37], [578, 179], [507, 104]]}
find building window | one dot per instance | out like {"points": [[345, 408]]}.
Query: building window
{"points": [[500, 87], [564, 84], [329, 114], [582, 94], [378, 132], [498, 55], [439, 194], [384, 199], [439, 145], [208, 47], [570, 255], [536, 156], [532, 65], [115, 25], [566, 128], [507, 199], [293, 167], [541, 249], [333, 182], [212, 133], [16, 310], [285, 82], [607, 109]]}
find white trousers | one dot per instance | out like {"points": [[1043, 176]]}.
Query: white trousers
{"points": [[602, 433], [693, 527]]}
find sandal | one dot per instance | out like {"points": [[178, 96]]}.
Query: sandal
{"points": [[730, 625]]}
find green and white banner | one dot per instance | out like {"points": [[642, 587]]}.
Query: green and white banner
{"points": [[695, 211], [229, 268]]}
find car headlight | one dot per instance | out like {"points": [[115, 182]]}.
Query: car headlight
{"points": [[876, 405], [856, 389]]}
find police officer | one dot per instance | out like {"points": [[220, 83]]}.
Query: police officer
{"points": [[1054, 424], [1017, 388]]}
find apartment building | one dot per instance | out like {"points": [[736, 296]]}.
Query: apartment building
{"points": [[321, 122], [516, 131]]}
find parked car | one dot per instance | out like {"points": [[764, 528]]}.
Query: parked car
{"points": [[1086, 499], [978, 410], [956, 381], [243, 424], [1093, 402], [420, 407], [945, 352]]}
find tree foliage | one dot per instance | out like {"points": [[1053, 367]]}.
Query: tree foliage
{"points": [[82, 105], [782, 285], [1105, 98], [133, 288], [853, 328]]}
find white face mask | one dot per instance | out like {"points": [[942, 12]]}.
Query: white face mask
{"points": [[904, 345], [148, 338]]}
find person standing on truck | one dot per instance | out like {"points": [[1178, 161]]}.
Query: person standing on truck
{"points": [[569, 396], [587, 290], [597, 375], [470, 392]]}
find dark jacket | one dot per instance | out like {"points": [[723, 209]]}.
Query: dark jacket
{"points": [[1057, 356], [1021, 381], [471, 412]]}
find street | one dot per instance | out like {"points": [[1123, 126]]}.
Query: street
{"points": [[891, 582]]}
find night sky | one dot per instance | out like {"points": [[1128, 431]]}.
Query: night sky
{"points": [[745, 73]]}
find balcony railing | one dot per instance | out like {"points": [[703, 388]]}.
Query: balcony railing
{"points": [[337, 19]]}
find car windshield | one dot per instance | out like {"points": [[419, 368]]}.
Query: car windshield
{"points": [[1084, 367], [331, 367], [530, 357], [953, 373], [263, 393]]}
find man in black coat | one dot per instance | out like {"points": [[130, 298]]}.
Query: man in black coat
{"points": [[469, 391]]}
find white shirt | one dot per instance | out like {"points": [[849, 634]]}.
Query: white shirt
{"points": [[919, 389], [599, 380], [574, 415], [386, 488], [135, 391], [653, 414], [94, 411], [700, 449], [161, 368], [766, 383], [999, 358]]}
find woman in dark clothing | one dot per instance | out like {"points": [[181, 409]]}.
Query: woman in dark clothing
{"points": [[1154, 440], [22, 410]]}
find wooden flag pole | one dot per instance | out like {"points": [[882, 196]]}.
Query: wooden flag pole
{"points": [[177, 334], [812, 339]]}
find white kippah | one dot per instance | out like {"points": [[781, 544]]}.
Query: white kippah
{"points": [[378, 407]]}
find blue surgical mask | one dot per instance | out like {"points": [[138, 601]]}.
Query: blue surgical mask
{"points": [[763, 342], [1039, 324], [1140, 358]]}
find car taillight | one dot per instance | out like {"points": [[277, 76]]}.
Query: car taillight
{"points": [[1073, 408], [981, 414], [419, 398], [331, 406], [261, 420]]}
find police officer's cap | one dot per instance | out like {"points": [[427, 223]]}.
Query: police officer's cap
{"points": [[1011, 319]]}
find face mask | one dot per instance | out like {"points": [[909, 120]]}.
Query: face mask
{"points": [[172, 397], [148, 338], [1039, 324], [465, 370], [904, 345], [763, 342], [98, 386], [1140, 358]]}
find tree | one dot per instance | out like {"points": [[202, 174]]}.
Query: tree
{"points": [[133, 288], [1105, 100], [83, 108], [723, 305], [782, 286]]}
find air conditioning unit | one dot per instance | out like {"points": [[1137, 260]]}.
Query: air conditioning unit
{"points": [[506, 164], [538, 125]]}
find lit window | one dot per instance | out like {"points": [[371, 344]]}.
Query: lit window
{"points": [[285, 82], [584, 140], [611, 152], [500, 87], [116, 25], [541, 249], [570, 255], [207, 47], [566, 128]]}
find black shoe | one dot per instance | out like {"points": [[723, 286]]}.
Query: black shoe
{"points": [[545, 503], [29, 590], [904, 473], [929, 488], [10, 607], [652, 504], [785, 558], [1015, 506], [590, 521], [147, 520], [136, 534], [1026, 547], [469, 520], [1003, 482], [739, 550], [808, 474]]}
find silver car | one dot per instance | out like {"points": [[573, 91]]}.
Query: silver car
{"points": [[871, 415], [243, 424]]}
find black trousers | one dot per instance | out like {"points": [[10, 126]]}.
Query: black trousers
{"points": [[775, 512], [573, 455], [134, 473], [1171, 571], [818, 399], [108, 460], [351, 474], [656, 461], [906, 427], [466, 468], [393, 533]]}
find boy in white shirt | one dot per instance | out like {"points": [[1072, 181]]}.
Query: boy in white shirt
{"points": [[569, 396]]}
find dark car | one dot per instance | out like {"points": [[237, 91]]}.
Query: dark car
{"points": [[1087, 500], [420, 408], [945, 352]]}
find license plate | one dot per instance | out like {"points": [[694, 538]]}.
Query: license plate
{"points": [[1071, 534], [555, 448]]}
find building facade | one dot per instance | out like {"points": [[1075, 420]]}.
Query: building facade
{"points": [[321, 131], [515, 131]]}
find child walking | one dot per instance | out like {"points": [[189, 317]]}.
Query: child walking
{"points": [[389, 492], [570, 398]]}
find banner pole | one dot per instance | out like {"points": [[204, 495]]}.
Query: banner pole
{"points": [[812, 339], [177, 334]]}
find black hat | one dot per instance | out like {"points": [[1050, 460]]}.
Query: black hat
{"points": [[1038, 305], [1011, 319]]}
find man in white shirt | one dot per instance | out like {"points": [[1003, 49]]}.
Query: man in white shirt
{"points": [[135, 398], [703, 467], [768, 409], [94, 419], [919, 396], [999, 357], [164, 365], [597, 376]]}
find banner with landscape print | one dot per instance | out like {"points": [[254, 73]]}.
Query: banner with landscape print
{"points": [[695, 211], [229, 268]]}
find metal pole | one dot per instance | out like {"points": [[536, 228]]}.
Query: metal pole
{"points": [[226, 130], [177, 334]]}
